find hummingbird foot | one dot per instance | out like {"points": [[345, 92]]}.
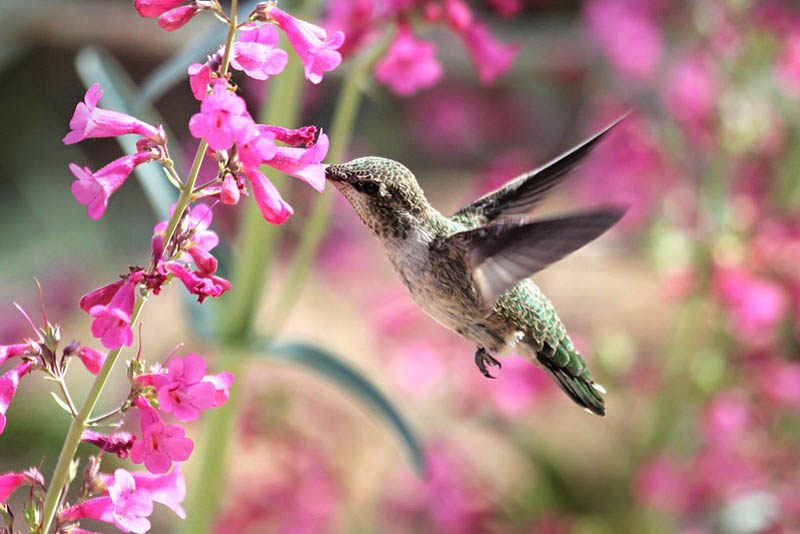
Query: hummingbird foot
{"points": [[483, 358]]}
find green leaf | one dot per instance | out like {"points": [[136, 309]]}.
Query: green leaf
{"points": [[173, 70], [94, 65], [333, 368], [61, 403]]}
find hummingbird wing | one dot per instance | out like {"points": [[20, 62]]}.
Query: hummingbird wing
{"points": [[519, 196], [502, 254]]}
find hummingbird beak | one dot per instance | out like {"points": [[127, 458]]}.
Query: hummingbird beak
{"points": [[335, 173]]}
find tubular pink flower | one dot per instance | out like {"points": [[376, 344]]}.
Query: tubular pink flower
{"points": [[491, 57], [229, 193], [9, 482], [101, 295], [8, 388], [9, 351], [222, 119], [313, 46], [92, 359], [111, 323], [160, 444], [169, 490], [89, 121], [155, 8], [94, 189], [206, 263], [176, 18], [303, 163], [409, 65], [198, 219], [256, 146], [222, 383], [118, 443], [199, 80], [292, 137], [185, 394], [198, 283], [256, 55], [269, 200]]}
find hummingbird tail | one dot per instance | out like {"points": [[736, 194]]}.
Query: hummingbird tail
{"points": [[574, 379]]}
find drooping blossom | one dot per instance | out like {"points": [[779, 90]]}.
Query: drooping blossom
{"points": [[409, 65], [222, 119], [92, 359], [155, 8], [9, 351], [126, 506], [255, 52], [93, 189], [160, 444], [315, 48], [8, 388], [268, 198], [491, 57], [101, 295], [303, 136], [178, 17], [198, 283], [9, 482], [303, 163], [222, 383], [89, 121], [169, 489], [112, 321], [118, 443]]}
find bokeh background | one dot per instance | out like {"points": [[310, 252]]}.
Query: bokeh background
{"points": [[688, 312]]}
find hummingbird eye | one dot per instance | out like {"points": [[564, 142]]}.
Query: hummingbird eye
{"points": [[368, 187]]}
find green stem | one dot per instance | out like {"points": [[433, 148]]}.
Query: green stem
{"points": [[60, 476], [342, 131]]}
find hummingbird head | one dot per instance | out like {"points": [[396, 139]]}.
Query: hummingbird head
{"points": [[384, 193]]}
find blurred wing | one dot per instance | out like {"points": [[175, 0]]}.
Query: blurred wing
{"points": [[502, 254], [520, 196]]}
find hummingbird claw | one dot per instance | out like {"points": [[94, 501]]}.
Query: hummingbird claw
{"points": [[482, 359]]}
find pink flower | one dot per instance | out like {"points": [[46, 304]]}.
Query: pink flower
{"points": [[222, 118], [229, 193], [628, 35], [8, 388], [755, 306], [780, 381], [184, 393], [789, 64], [176, 18], [9, 482], [89, 121], [118, 443], [92, 359], [169, 490], [726, 420], [491, 57], [292, 137], [101, 295], [160, 444], [691, 94], [662, 484], [303, 163], [111, 323], [197, 282], [355, 18], [269, 200], [314, 47], [126, 506], [9, 351], [256, 55], [94, 189], [222, 383], [155, 8], [507, 8], [518, 386], [256, 146], [409, 65], [199, 79]]}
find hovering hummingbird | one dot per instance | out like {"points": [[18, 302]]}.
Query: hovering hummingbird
{"points": [[470, 271]]}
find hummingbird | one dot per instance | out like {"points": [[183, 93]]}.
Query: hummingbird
{"points": [[469, 271]]}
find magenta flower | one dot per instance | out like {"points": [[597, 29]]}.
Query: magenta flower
{"points": [[491, 57], [663, 484], [291, 136], [111, 323], [780, 381], [9, 351], [222, 119], [409, 65], [199, 79], [94, 189], [303, 163], [92, 359], [169, 490], [155, 8], [229, 192], [118, 443], [176, 18], [789, 64], [197, 282], [160, 444], [313, 46], [256, 146], [126, 506], [8, 388], [726, 420], [268, 198], [691, 93], [755, 306], [101, 295], [255, 52], [222, 383], [9, 482], [89, 121], [519, 386], [184, 393]]}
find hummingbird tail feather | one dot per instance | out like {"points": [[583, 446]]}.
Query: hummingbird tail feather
{"points": [[580, 388]]}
